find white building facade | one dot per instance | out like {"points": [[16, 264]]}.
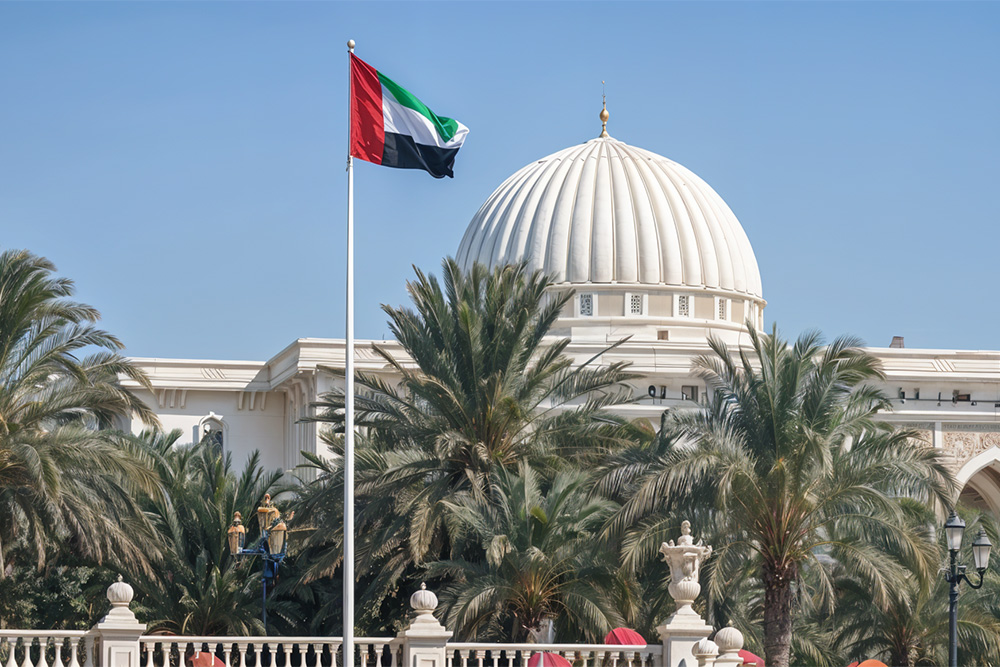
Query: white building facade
{"points": [[654, 254]]}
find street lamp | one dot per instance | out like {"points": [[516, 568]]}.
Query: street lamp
{"points": [[271, 547], [954, 529]]}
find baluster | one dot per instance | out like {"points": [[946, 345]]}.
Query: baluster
{"points": [[464, 657], [88, 651], [629, 657], [495, 657], [272, 650], [242, 648], [449, 658], [11, 645], [584, 656], [525, 658], [43, 643], [480, 656], [288, 646], [58, 643], [227, 651], [510, 657], [614, 659], [394, 649], [27, 642], [73, 647]]}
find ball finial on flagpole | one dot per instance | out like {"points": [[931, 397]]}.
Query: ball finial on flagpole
{"points": [[350, 45]]}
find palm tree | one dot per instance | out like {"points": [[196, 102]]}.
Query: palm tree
{"points": [[197, 587], [64, 474], [533, 559], [486, 389], [911, 629], [786, 454]]}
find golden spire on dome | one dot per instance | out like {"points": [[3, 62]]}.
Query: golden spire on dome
{"points": [[604, 112]]}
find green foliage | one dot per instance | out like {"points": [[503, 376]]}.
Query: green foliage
{"points": [[65, 478], [66, 597], [786, 468], [535, 559], [197, 587], [482, 394]]}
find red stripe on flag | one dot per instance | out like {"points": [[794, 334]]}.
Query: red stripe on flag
{"points": [[367, 125]]}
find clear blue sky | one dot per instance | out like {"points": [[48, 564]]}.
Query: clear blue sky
{"points": [[184, 162]]}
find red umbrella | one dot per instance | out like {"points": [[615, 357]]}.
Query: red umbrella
{"points": [[624, 637], [872, 663], [204, 659], [548, 660], [751, 659]]}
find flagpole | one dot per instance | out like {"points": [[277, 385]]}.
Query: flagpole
{"points": [[348, 639]]}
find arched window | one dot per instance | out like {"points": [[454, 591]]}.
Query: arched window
{"points": [[213, 431]]}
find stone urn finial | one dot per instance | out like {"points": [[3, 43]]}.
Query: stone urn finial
{"points": [[685, 559], [424, 602], [120, 594]]}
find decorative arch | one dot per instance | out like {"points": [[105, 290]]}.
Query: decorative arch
{"points": [[215, 427], [979, 480]]}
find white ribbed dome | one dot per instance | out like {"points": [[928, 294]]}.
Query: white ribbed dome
{"points": [[607, 212]]}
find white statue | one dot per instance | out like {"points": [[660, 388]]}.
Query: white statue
{"points": [[685, 559]]}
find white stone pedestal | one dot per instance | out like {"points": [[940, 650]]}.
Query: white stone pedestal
{"points": [[119, 631], [679, 635], [425, 639]]}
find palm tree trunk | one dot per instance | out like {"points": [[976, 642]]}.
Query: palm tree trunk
{"points": [[900, 657], [777, 616]]}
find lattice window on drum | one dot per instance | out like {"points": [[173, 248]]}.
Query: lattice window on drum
{"points": [[635, 304], [684, 306], [586, 305], [722, 309]]}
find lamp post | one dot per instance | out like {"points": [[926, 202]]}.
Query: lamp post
{"points": [[271, 547], [954, 529]]}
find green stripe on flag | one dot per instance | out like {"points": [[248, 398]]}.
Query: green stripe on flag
{"points": [[446, 127]]}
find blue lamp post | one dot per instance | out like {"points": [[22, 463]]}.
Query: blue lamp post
{"points": [[271, 547]]}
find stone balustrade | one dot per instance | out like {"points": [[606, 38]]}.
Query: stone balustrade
{"points": [[47, 648], [473, 654], [119, 639], [168, 651]]}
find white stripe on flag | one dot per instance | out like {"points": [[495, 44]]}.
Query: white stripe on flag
{"points": [[403, 120]]}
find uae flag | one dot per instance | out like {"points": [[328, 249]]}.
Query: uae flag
{"points": [[391, 127]]}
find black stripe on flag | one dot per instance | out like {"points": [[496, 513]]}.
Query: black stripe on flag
{"points": [[402, 152]]}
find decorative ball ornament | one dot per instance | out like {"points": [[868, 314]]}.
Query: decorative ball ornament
{"points": [[703, 649], [729, 639], [350, 44], [120, 594], [423, 601]]}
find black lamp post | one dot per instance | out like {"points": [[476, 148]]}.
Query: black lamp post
{"points": [[271, 547], [954, 530]]}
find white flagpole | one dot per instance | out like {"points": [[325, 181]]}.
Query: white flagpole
{"points": [[348, 640]]}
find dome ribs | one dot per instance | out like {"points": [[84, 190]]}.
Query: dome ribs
{"points": [[625, 223], [557, 253], [604, 212], [578, 269], [687, 238], [647, 238]]}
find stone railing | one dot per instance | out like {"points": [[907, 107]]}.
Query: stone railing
{"points": [[119, 639], [47, 648], [464, 654], [177, 651]]}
